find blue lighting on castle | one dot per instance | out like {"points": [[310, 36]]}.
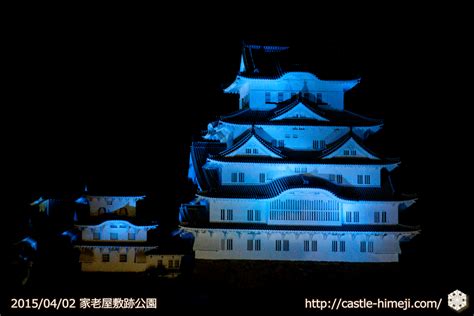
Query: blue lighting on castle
{"points": [[289, 175]]}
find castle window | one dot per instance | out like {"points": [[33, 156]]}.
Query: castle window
{"points": [[113, 236], [339, 178], [230, 215], [257, 216], [105, 257], [342, 246], [255, 151], [306, 245], [253, 245], [332, 177], [222, 214], [314, 245], [170, 264], [376, 217], [319, 97], [262, 178], [233, 177], [360, 179], [268, 97], [248, 150], [367, 179], [319, 144], [278, 245], [250, 215], [356, 217], [384, 217], [286, 245], [366, 246], [241, 177], [227, 244], [249, 245], [123, 258], [353, 152], [281, 143], [334, 246], [258, 245], [280, 96], [348, 217]]}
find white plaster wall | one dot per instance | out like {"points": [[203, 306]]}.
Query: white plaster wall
{"points": [[122, 228], [305, 134], [332, 91], [366, 209], [112, 204], [351, 145], [302, 137], [252, 144], [114, 264], [274, 171], [239, 208], [296, 246]]}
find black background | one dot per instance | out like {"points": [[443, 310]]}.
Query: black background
{"points": [[113, 97]]}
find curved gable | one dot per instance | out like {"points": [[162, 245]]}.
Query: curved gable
{"points": [[350, 148], [300, 111]]}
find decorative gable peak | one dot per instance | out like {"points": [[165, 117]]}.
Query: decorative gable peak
{"points": [[349, 147], [252, 144]]}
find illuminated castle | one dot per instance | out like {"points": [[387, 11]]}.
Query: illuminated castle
{"points": [[288, 176], [109, 235]]}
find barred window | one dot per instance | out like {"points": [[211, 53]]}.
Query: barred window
{"points": [[249, 245], [306, 245], [286, 245], [258, 245], [278, 245]]}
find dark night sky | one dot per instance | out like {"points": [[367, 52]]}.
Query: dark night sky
{"points": [[113, 100]]}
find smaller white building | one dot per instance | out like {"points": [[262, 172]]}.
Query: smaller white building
{"points": [[116, 205], [120, 246], [113, 239]]}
